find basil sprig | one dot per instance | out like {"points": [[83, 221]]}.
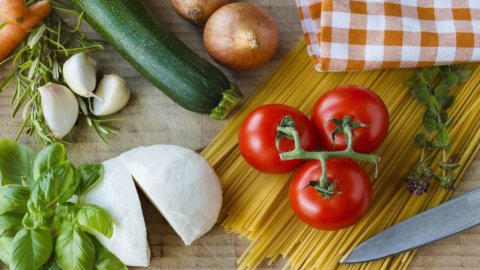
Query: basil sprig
{"points": [[43, 224]]}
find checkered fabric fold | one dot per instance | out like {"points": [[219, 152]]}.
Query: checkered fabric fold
{"points": [[372, 34]]}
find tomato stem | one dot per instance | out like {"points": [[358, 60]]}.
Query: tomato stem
{"points": [[288, 131]]}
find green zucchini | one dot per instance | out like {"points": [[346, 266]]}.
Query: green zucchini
{"points": [[165, 61]]}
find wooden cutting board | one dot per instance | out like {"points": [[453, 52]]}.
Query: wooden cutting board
{"points": [[152, 118]]}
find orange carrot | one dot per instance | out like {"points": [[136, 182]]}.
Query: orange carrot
{"points": [[12, 11], [12, 34]]}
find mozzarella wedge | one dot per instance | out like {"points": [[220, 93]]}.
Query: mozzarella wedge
{"points": [[117, 194], [181, 184]]}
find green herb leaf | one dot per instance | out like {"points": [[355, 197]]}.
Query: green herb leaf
{"points": [[37, 203], [35, 36], [447, 102], [5, 249], [433, 104], [104, 259], [451, 80], [74, 249], [13, 198], [16, 161], [51, 265], [72, 188], [420, 139], [93, 218], [449, 166], [442, 139], [429, 74], [414, 82], [421, 94], [441, 91], [31, 249], [54, 182], [90, 175], [10, 223], [463, 75], [47, 158], [430, 124], [444, 117]]}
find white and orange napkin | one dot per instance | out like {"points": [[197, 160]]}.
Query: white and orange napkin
{"points": [[345, 35]]}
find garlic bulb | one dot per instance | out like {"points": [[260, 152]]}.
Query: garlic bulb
{"points": [[80, 74], [113, 94], [60, 108]]}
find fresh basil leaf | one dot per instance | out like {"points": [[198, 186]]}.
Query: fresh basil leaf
{"points": [[429, 74], [72, 188], [93, 218], [51, 264], [16, 162], [37, 203], [10, 223], [65, 213], [55, 181], [5, 249], [90, 175], [13, 198], [28, 221], [104, 259], [31, 249], [74, 249], [47, 158]]}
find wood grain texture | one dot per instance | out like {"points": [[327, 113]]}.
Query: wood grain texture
{"points": [[152, 118]]}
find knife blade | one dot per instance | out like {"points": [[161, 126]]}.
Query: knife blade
{"points": [[454, 216]]}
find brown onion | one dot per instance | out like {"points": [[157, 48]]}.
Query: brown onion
{"points": [[197, 11], [241, 36]]}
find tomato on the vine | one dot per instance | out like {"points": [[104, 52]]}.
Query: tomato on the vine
{"points": [[349, 202], [257, 137], [359, 103]]}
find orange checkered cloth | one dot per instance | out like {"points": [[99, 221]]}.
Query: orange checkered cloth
{"points": [[373, 34]]}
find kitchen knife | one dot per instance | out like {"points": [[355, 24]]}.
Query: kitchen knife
{"points": [[434, 224]]}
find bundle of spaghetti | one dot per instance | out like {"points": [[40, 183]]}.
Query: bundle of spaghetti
{"points": [[256, 205]]}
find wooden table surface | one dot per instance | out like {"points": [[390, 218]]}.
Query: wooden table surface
{"points": [[152, 118]]}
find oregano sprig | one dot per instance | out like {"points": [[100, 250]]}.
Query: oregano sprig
{"points": [[432, 86]]}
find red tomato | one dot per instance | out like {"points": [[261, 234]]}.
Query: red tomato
{"points": [[258, 132], [353, 188], [360, 103]]}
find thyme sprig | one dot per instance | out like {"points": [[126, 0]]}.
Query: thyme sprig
{"points": [[432, 86], [38, 60]]}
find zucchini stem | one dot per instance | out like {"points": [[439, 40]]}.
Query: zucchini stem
{"points": [[231, 97]]}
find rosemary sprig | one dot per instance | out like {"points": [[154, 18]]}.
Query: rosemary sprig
{"points": [[38, 60], [432, 86]]}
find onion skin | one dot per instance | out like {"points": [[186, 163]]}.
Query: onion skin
{"points": [[241, 36], [197, 11]]}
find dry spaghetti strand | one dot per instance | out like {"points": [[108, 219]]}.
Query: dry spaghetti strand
{"points": [[266, 218]]}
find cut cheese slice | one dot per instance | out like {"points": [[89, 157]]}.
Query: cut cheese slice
{"points": [[181, 184], [117, 194]]}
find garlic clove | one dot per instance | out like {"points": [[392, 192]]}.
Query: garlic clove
{"points": [[113, 94], [80, 74], [60, 108]]}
